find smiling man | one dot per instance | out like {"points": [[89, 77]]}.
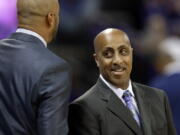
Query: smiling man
{"points": [[115, 105]]}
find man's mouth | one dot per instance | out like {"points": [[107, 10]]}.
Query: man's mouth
{"points": [[118, 71]]}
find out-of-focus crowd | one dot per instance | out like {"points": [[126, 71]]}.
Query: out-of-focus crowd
{"points": [[153, 26]]}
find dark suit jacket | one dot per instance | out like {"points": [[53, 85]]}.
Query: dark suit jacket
{"points": [[34, 88], [100, 112]]}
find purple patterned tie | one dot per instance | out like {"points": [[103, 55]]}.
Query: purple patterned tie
{"points": [[127, 96]]}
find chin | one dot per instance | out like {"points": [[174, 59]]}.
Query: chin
{"points": [[119, 82]]}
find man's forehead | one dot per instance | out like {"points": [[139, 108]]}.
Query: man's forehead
{"points": [[111, 39], [109, 34]]}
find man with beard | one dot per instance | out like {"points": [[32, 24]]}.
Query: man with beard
{"points": [[34, 82], [115, 105]]}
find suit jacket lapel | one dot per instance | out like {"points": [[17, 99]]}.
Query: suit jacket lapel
{"points": [[144, 106], [115, 105]]}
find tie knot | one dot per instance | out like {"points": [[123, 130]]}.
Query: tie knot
{"points": [[127, 96]]}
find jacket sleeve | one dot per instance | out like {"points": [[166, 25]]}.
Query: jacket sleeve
{"points": [[82, 121], [53, 93]]}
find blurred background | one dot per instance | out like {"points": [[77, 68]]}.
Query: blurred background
{"points": [[152, 25]]}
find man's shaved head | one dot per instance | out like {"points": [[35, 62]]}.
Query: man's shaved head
{"points": [[36, 7], [41, 16], [107, 35], [31, 9]]}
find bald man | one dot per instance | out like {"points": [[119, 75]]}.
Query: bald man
{"points": [[34, 82], [115, 105]]}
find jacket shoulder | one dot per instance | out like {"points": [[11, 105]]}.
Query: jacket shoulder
{"points": [[149, 91], [90, 100], [89, 96]]}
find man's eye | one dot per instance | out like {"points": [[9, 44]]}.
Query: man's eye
{"points": [[124, 52], [107, 54]]}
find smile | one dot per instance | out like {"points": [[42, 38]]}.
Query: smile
{"points": [[118, 71]]}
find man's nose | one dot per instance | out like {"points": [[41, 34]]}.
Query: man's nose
{"points": [[117, 59]]}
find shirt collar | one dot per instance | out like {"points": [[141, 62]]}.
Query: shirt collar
{"points": [[22, 30], [115, 89]]}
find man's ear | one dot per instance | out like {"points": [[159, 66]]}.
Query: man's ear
{"points": [[96, 59], [132, 50], [50, 19]]}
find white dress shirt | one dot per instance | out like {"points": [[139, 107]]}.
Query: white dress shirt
{"points": [[22, 30], [119, 92]]}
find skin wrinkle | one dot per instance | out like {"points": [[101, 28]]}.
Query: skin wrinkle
{"points": [[30, 7]]}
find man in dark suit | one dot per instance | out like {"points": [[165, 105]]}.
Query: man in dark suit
{"points": [[34, 82], [115, 105]]}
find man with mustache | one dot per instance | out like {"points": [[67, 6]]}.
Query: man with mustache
{"points": [[34, 82], [115, 105]]}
